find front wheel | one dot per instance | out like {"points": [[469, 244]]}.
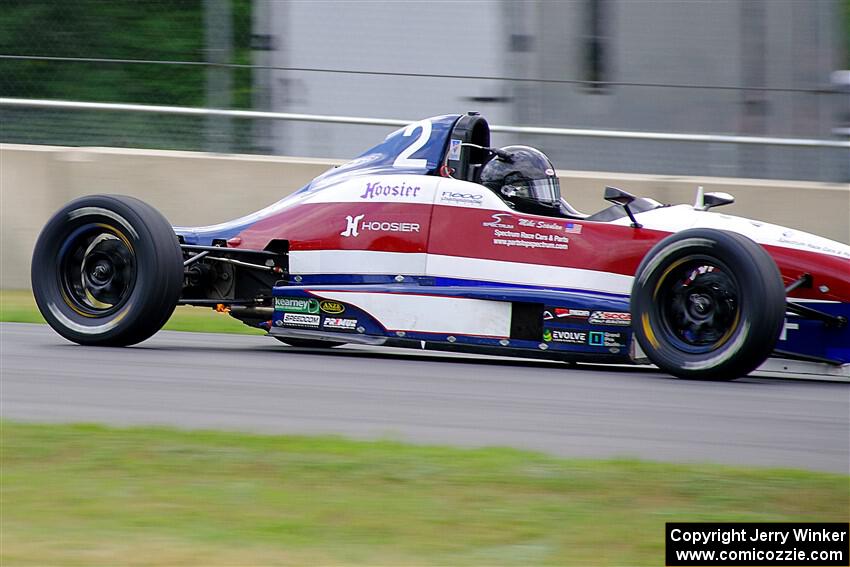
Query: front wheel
{"points": [[107, 270], [707, 305]]}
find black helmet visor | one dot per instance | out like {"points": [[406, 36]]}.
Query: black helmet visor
{"points": [[546, 190]]}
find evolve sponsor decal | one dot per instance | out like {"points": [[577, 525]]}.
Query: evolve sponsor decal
{"points": [[564, 313], [300, 320], [332, 307], [459, 198], [606, 339], [355, 224], [610, 318], [565, 336], [340, 324], [377, 189], [296, 305]]}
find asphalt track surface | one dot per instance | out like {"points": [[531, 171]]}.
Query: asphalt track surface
{"points": [[255, 383]]}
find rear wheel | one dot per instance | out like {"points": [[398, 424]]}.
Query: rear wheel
{"points": [[107, 270], [707, 305]]}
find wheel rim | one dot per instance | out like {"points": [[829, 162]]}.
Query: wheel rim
{"points": [[698, 300], [97, 266]]}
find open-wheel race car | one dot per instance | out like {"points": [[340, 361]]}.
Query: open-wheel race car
{"points": [[434, 240]]}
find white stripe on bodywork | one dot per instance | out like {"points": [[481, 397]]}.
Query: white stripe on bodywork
{"points": [[527, 274], [429, 313], [435, 265], [356, 262], [680, 217]]}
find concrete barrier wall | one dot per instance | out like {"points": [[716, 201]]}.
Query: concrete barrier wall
{"points": [[198, 188]]}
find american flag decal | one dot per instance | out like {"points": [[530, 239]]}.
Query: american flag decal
{"points": [[572, 228]]}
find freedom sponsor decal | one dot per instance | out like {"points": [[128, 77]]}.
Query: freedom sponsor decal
{"points": [[300, 320], [610, 318], [296, 305], [332, 307], [337, 323], [354, 225]]}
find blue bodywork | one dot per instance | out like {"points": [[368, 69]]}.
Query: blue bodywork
{"points": [[555, 338]]}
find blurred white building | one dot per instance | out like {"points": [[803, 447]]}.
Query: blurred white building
{"points": [[748, 67]]}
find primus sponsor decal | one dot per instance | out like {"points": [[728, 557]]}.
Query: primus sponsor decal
{"points": [[606, 339], [377, 189], [296, 305], [355, 224], [455, 197], [300, 320], [332, 307], [565, 336], [610, 318], [564, 313], [337, 323]]}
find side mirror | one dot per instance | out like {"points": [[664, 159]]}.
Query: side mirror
{"points": [[622, 198], [708, 200], [618, 196], [717, 199]]}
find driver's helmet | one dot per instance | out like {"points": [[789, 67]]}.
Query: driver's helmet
{"points": [[523, 176]]}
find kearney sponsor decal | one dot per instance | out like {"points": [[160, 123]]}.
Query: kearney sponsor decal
{"points": [[296, 305], [300, 320], [610, 318], [337, 323], [332, 307]]}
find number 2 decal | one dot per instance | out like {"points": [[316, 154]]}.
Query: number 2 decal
{"points": [[404, 159]]}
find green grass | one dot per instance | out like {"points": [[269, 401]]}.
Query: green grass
{"points": [[18, 306], [89, 495]]}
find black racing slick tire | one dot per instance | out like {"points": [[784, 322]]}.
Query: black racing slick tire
{"points": [[707, 305], [107, 270]]}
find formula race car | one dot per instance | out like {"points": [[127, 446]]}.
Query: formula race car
{"points": [[434, 240]]}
